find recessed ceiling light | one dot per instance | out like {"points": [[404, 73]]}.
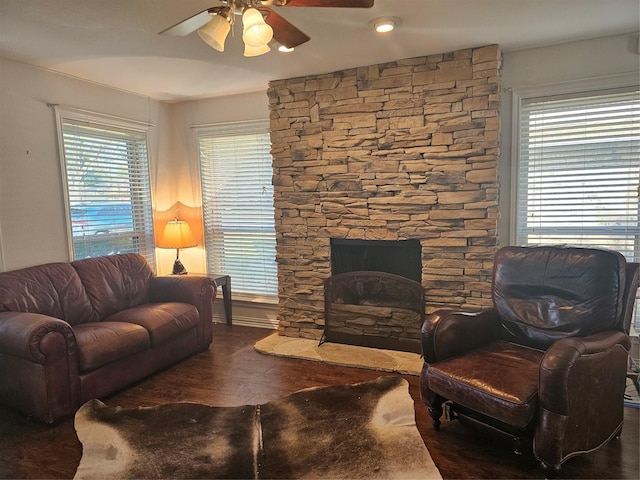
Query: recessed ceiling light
{"points": [[384, 24]]}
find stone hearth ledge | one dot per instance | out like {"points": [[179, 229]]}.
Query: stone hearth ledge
{"points": [[406, 363]]}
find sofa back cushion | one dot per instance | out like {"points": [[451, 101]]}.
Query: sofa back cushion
{"points": [[52, 289], [543, 294], [115, 282]]}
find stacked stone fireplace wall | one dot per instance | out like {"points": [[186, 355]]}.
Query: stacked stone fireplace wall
{"points": [[402, 150]]}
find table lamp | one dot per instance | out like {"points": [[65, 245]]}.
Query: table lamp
{"points": [[177, 234]]}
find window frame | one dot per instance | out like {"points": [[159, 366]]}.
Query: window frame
{"points": [[576, 87], [227, 129], [121, 125], [586, 87]]}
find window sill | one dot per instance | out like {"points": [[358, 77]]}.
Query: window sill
{"points": [[254, 299]]}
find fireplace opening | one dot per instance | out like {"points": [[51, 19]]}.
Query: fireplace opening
{"points": [[374, 297], [400, 257]]}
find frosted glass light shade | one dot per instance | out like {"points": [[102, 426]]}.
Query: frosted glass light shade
{"points": [[250, 51], [256, 32], [215, 32]]}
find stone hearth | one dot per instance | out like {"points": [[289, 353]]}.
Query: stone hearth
{"points": [[396, 151]]}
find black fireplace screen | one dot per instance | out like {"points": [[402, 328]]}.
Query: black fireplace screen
{"points": [[374, 309]]}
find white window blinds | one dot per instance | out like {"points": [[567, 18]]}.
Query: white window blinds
{"points": [[579, 171], [237, 194], [107, 187]]}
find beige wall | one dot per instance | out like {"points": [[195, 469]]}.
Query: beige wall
{"points": [[184, 157], [33, 229], [600, 63], [32, 219], [32, 215]]}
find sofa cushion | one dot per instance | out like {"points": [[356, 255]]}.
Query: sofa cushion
{"points": [[101, 343], [53, 289], [479, 380], [115, 282], [163, 321]]}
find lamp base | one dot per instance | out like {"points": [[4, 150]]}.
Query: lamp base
{"points": [[178, 268]]}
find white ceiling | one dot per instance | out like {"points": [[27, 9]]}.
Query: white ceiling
{"points": [[116, 42]]}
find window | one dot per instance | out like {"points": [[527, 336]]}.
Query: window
{"points": [[106, 174], [579, 171], [237, 195]]}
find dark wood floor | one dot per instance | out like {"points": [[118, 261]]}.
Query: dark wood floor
{"points": [[231, 372]]}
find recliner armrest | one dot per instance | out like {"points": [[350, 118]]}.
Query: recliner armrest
{"points": [[569, 358], [447, 333], [581, 383], [22, 334]]}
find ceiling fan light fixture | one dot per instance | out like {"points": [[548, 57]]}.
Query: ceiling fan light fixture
{"points": [[215, 32], [384, 24], [285, 49], [256, 31], [250, 51]]}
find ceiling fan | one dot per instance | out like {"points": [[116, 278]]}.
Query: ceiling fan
{"points": [[261, 24]]}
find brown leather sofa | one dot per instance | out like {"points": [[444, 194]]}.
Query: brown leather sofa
{"points": [[547, 364], [70, 332]]}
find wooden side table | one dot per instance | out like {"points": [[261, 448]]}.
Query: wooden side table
{"points": [[224, 281]]}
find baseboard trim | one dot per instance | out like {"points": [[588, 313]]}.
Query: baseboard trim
{"points": [[245, 321]]}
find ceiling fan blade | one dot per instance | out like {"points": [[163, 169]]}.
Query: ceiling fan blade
{"points": [[191, 24], [284, 32], [326, 3]]}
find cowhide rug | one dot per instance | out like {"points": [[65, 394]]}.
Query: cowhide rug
{"points": [[365, 430]]}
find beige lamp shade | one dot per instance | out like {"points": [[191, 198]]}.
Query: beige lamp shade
{"points": [[215, 32], [177, 234]]}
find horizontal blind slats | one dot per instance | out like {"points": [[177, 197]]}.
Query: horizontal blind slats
{"points": [[235, 166], [579, 171], [108, 190]]}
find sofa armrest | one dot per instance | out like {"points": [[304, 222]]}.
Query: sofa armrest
{"points": [[24, 335], [40, 365], [447, 333], [197, 290]]}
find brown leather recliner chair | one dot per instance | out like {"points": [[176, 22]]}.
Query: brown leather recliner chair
{"points": [[548, 361]]}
